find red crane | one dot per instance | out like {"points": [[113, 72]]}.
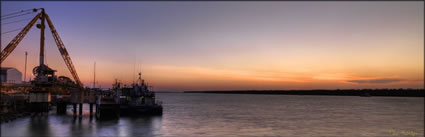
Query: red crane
{"points": [[18, 38]]}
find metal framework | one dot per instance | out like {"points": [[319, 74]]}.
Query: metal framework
{"points": [[14, 43], [18, 38], [63, 52]]}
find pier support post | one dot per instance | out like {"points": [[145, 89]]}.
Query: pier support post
{"points": [[61, 107], [81, 110], [75, 109], [91, 109]]}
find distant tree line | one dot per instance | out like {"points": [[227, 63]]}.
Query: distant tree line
{"points": [[337, 92]]}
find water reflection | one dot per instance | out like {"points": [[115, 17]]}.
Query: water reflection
{"points": [[39, 125], [67, 125], [242, 115]]}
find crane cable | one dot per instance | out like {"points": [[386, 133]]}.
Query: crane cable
{"points": [[17, 15], [26, 12], [34, 10], [27, 19], [14, 29], [11, 31]]}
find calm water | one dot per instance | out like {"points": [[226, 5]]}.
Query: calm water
{"points": [[244, 115]]}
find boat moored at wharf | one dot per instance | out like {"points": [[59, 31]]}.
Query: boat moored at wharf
{"points": [[136, 100]]}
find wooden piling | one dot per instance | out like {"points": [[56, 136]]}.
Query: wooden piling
{"points": [[81, 110], [91, 109], [75, 109]]}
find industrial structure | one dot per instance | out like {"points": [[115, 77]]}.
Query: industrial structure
{"points": [[47, 82], [10, 75], [45, 79]]}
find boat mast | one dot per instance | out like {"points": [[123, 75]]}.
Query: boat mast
{"points": [[94, 77]]}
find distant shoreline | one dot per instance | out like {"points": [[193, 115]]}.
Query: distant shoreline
{"points": [[341, 92]]}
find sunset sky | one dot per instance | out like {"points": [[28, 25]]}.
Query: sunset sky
{"points": [[231, 45]]}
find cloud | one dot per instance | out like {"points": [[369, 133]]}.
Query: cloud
{"points": [[376, 81], [206, 73], [331, 76]]}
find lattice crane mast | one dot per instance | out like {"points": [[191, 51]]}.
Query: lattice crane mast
{"points": [[63, 52], [42, 16], [18, 38]]}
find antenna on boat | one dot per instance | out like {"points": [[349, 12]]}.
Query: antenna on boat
{"points": [[134, 71], [140, 77], [140, 68], [94, 76]]}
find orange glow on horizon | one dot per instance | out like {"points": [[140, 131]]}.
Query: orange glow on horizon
{"points": [[233, 47]]}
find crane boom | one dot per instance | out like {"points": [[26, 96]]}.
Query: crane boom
{"points": [[63, 51], [18, 38]]}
